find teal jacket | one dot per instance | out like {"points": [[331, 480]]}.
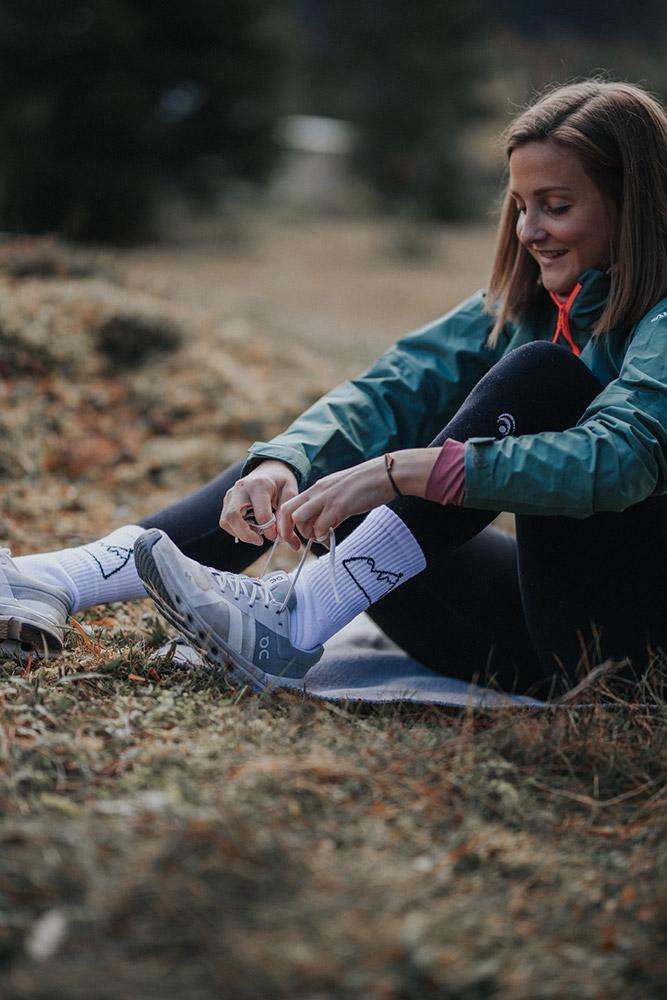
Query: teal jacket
{"points": [[615, 456]]}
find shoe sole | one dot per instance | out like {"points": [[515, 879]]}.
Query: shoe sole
{"points": [[196, 631], [25, 637]]}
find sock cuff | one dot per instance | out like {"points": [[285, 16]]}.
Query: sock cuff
{"points": [[103, 570], [384, 519], [380, 554]]}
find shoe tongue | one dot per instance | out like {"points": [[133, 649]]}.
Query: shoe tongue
{"points": [[278, 583]]}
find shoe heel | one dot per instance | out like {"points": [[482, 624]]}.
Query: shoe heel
{"points": [[145, 563]]}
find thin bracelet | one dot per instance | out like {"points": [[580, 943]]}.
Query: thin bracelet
{"points": [[389, 464]]}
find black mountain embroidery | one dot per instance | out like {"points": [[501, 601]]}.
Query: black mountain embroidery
{"points": [[118, 557], [360, 566]]}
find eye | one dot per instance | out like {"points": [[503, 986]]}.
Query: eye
{"points": [[557, 210]]}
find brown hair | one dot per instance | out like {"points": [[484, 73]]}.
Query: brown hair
{"points": [[619, 133]]}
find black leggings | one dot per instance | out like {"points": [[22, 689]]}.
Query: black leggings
{"points": [[565, 593]]}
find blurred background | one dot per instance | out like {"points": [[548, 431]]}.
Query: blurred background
{"points": [[213, 211], [127, 120]]}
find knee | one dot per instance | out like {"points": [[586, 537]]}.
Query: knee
{"points": [[541, 353], [550, 363]]}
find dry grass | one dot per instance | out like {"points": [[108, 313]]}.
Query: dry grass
{"points": [[163, 835]]}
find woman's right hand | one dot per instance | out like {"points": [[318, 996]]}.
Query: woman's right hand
{"points": [[260, 492]]}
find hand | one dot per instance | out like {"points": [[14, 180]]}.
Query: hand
{"points": [[259, 493], [353, 491], [333, 499]]}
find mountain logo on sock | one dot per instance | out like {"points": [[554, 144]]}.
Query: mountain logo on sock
{"points": [[362, 570], [111, 559]]}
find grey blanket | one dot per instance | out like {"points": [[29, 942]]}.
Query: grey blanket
{"points": [[361, 664]]}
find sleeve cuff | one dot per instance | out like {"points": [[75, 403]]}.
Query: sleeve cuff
{"points": [[478, 459], [293, 457], [446, 484]]}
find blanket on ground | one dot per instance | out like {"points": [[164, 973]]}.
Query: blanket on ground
{"points": [[361, 664]]}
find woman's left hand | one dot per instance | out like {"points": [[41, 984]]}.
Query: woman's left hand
{"points": [[338, 496]]}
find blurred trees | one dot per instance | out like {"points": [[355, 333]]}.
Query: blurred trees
{"points": [[105, 105], [409, 75], [104, 102]]}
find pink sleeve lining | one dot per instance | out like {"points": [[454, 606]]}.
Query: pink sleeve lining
{"points": [[446, 484]]}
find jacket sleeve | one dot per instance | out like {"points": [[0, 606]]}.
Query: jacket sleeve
{"points": [[403, 400], [614, 457]]}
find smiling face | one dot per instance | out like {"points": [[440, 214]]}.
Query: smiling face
{"points": [[564, 221]]}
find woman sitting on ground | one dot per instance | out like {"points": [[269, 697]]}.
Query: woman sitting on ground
{"points": [[547, 398]]}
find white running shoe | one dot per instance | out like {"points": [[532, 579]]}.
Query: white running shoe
{"points": [[32, 614], [240, 621]]}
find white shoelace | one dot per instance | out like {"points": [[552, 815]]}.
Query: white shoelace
{"points": [[248, 586], [302, 560], [252, 587]]}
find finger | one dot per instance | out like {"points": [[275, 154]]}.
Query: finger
{"points": [[321, 529], [285, 528], [290, 505], [243, 531], [262, 511], [235, 502], [287, 492], [232, 519], [313, 518]]}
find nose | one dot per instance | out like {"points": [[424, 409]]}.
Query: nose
{"points": [[529, 230]]}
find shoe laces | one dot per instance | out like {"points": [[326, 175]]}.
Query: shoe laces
{"points": [[252, 587], [246, 586], [304, 555]]}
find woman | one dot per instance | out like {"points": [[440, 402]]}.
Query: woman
{"points": [[546, 398]]}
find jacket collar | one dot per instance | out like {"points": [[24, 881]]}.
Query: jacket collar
{"points": [[589, 303]]}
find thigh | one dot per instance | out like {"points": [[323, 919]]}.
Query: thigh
{"points": [[192, 524], [537, 387], [593, 589], [463, 617]]}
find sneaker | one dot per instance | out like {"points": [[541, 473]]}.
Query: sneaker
{"points": [[240, 621], [32, 614]]}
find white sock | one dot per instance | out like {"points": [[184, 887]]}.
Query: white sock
{"points": [[378, 556], [98, 573]]}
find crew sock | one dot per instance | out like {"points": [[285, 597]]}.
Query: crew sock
{"points": [[378, 556], [97, 573]]}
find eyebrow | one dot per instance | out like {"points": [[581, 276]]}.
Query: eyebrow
{"points": [[545, 190]]}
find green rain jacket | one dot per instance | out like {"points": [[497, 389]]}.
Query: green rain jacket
{"points": [[615, 456]]}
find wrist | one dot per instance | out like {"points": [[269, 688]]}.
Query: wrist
{"points": [[268, 465], [412, 468]]}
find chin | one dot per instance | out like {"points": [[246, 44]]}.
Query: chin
{"points": [[559, 286]]}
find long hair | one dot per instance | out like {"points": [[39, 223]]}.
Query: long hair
{"points": [[619, 133]]}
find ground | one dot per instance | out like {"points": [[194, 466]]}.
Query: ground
{"points": [[164, 835]]}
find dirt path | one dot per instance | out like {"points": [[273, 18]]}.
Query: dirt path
{"points": [[339, 285]]}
